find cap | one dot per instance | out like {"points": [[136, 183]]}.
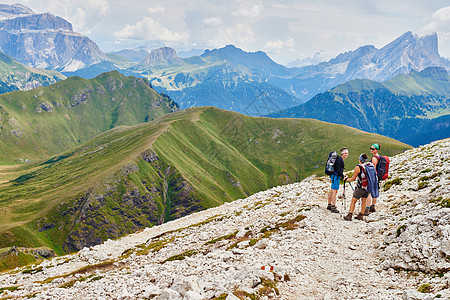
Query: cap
{"points": [[376, 146], [362, 159]]}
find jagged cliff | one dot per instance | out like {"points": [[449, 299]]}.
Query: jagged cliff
{"points": [[54, 44]]}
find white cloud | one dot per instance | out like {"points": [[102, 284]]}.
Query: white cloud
{"points": [[156, 9], [239, 34], [251, 12], [150, 29], [277, 46], [440, 20], [212, 22], [84, 15]]}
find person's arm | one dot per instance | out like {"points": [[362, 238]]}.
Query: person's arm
{"points": [[375, 161], [356, 171]]}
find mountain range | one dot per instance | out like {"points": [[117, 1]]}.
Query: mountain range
{"points": [[413, 108], [228, 77], [190, 81]]}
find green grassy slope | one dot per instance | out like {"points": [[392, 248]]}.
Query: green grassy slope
{"points": [[48, 120], [132, 177]]}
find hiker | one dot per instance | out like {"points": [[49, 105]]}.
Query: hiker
{"points": [[361, 191], [335, 178], [375, 160]]}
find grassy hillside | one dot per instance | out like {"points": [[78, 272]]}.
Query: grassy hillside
{"points": [[133, 177], [414, 101], [48, 120]]}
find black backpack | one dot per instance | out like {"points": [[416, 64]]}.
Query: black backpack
{"points": [[329, 167]]}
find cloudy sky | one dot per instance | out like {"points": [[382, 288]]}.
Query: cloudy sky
{"points": [[284, 29]]}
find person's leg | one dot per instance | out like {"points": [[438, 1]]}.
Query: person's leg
{"points": [[352, 208], [333, 197]]}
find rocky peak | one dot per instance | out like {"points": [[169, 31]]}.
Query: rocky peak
{"points": [[55, 45], [35, 22], [161, 57], [14, 10]]}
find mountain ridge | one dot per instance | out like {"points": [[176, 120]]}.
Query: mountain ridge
{"points": [[399, 108]]}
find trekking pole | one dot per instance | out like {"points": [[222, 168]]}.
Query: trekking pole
{"points": [[351, 185], [343, 204]]}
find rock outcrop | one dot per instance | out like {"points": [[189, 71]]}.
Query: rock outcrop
{"points": [[54, 44], [278, 244]]}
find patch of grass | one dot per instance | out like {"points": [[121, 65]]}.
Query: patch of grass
{"points": [[225, 237], [221, 297], [425, 288], [9, 288], [422, 185], [425, 178], [388, 184], [182, 255], [400, 230], [426, 171], [444, 202]]}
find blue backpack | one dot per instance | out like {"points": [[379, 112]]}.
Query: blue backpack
{"points": [[372, 179]]}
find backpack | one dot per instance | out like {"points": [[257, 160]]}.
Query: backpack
{"points": [[362, 176], [329, 167], [372, 179], [382, 167]]}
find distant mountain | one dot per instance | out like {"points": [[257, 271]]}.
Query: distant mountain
{"points": [[134, 55], [15, 76], [160, 58], [54, 45], [406, 53], [227, 78], [413, 108], [135, 177], [233, 79], [190, 53], [49, 120]]}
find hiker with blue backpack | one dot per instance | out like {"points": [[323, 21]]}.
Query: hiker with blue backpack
{"points": [[335, 168], [381, 164], [367, 182]]}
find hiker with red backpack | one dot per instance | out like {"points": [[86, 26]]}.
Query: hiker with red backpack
{"points": [[367, 181], [335, 168], [381, 164]]}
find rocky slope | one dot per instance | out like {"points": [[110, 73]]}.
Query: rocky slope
{"points": [[54, 44], [277, 244]]}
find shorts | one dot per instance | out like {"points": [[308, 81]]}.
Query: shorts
{"points": [[360, 193], [335, 182]]}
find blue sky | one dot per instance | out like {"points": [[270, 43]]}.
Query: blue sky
{"points": [[285, 30]]}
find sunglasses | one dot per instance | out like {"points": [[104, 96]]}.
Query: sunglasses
{"points": [[372, 149]]}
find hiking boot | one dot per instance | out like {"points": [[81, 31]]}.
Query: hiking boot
{"points": [[372, 208], [329, 206], [360, 216], [348, 217], [334, 209], [366, 212]]}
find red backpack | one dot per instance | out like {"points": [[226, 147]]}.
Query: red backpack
{"points": [[382, 167]]}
